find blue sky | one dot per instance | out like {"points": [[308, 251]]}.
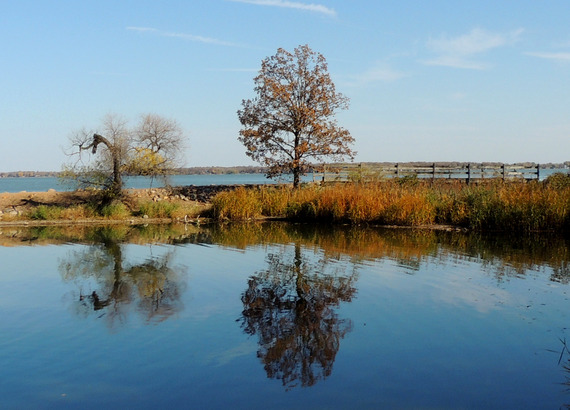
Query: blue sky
{"points": [[428, 80]]}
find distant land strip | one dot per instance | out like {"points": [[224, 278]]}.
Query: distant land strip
{"points": [[178, 171]]}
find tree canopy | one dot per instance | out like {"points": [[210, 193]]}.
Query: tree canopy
{"points": [[152, 148], [292, 117]]}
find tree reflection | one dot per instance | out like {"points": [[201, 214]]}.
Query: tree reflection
{"points": [[290, 306], [154, 287]]}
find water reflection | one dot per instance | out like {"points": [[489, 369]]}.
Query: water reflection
{"points": [[466, 318], [501, 255], [290, 307], [154, 286]]}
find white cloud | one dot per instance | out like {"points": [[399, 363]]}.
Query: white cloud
{"points": [[184, 36], [317, 8], [458, 52], [380, 73], [561, 56], [456, 62]]}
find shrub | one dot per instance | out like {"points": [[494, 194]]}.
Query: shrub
{"points": [[162, 209], [44, 213], [115, 210], [558, 180], [238, 204]]}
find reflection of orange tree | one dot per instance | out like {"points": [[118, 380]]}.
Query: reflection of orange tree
{"points": [[158, 286], [290, 307]]}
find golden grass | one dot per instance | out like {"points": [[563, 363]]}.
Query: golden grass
{"points": [[493, 205]]}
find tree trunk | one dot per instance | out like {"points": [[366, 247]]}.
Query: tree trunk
{"points": [[296, 162], [117, 186], [296, 177]]}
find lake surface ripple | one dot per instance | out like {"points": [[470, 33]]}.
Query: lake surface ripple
{"points": [[277, 315]]}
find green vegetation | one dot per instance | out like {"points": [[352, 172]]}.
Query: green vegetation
{"points": [[115, 211], [159, 209], [489, 205]]}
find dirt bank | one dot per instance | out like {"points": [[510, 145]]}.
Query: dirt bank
{"points": [[14, 204]]}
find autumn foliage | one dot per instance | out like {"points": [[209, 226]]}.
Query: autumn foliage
{"points": [[292, 117]]}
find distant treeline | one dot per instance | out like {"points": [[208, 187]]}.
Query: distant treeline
{"points": [[261, 170], [220, 170], [179, 171]]}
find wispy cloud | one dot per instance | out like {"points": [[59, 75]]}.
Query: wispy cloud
{"points": [[235, 70], [380, 73], [560, 56], [183, 36], [317, 8], [458, 52]]}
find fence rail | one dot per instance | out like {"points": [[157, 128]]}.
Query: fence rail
{"points": [[460, 171]]}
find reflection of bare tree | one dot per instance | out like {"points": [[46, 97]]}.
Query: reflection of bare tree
{"points": [[290, 307], [155, 284]]}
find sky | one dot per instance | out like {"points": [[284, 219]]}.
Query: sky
{"points": [[429, 81]]}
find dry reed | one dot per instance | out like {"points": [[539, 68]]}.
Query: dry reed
{"points": [[494, 205]]}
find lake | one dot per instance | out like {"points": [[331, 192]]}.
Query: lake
{"points": [[42, 184], [278, 315]]}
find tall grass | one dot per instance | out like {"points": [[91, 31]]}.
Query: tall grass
{"points": [[494, 205]]}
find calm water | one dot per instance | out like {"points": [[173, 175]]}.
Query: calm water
{"points": [[44, 184], [281, 316]]}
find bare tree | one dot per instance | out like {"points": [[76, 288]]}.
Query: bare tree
{"points": [[105, 168], [159, 144], [152, 148], [291, 119]]}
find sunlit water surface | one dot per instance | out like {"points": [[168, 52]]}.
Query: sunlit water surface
{"points": [[281, 316]]}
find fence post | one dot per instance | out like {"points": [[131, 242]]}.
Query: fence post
{"points": [[503, 171], [433, 171], [468, 173], [397, 171], [538, 172]]}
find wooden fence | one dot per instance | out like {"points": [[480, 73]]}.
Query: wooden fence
{"points": [[366, 171]]}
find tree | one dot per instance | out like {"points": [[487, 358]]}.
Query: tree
{"points": [[158, 146], [291, 308], [152, 148], [114, 285], [292, 117]]}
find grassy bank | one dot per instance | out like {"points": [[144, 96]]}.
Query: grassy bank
{"points": [[87, 206], [492, 205]]}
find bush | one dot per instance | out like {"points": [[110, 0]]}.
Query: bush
{"points": [[44, 213], [115, 210], [160, 209], [558, 180], [238, 204]]}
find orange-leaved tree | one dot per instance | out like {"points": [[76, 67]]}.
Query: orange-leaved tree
{"points": [[292, 117]]}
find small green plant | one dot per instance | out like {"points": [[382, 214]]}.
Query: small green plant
{"points": [[162, 209], [45, 213], [115, 210]]}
